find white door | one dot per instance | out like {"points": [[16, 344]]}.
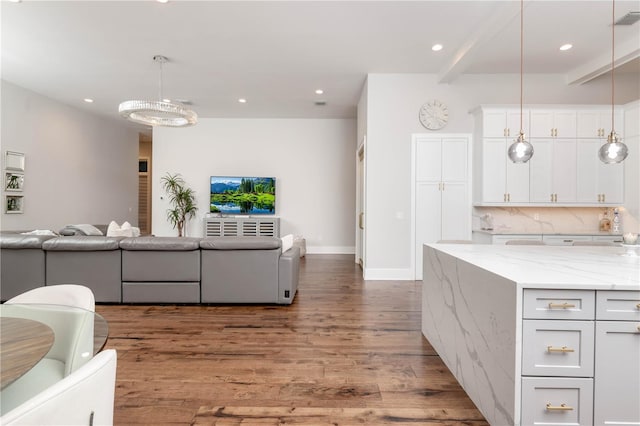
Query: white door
{"points": [[541, 183], [564, 170], [455, 211], [428, 216], [494, 170]]}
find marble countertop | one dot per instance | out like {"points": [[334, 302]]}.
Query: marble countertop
{"points": [[567, 267], [515, 232]]}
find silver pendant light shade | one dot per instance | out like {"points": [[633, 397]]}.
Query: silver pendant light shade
{"points": [[160, 112], [613, 151], [521, 150]]}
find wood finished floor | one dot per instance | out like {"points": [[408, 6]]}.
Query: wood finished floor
{"points": [[345, 352]]}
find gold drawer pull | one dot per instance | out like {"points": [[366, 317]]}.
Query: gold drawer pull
{"points": [[562, 349], [562, 407], [638, 306], [564, 305]]}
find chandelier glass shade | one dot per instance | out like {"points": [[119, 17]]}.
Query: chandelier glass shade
{"points": [[160, 112], [520, 150], [613, 151]]}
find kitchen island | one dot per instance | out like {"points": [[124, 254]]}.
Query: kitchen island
{"points": [[537, 334]]}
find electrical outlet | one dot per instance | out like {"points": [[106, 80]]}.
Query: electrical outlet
{"points": [[536, 216]]}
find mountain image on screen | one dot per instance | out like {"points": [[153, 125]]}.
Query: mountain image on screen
{"points": [[243, 195]]}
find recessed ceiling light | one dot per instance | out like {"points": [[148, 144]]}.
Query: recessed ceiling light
{"points": [[15, 1], [162, 1], [88, 100], [242, 100], [566, 46], [436, 47], [319, 92]]}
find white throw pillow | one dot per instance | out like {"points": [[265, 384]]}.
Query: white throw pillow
{"points": [[115, 230], [287, 242]]}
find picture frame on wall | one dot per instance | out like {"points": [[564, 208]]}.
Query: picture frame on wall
{"points": [[14, 161], [13, 182], [14, 204]]}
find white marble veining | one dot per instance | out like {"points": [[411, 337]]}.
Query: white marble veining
{"points": [[472, 308], [585, 267], [550, 220]]}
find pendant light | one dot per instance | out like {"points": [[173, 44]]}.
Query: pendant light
{"points": [[520, 150], [613, 151], [160, 112]]}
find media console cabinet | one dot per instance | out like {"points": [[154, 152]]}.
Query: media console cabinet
{"points": [[242, 226]]}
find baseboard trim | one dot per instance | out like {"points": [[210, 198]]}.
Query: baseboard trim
{"points": [[388, 274], [331, 250]]}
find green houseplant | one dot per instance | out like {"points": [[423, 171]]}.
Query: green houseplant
{"points": [[183, 200]]}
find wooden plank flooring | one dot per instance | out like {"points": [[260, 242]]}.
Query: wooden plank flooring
{"points": [[345, 352]]}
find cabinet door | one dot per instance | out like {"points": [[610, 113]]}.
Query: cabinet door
{"points": [[597, 183], [564, 170], [541, 171], [513, 122], [455, 161], [542, 123], [494, 123], [597, 123], [564, 240], [564, 124], [456, 214], [428, 159], [617, 373], [428, 218], [517, 182], [553, 123], [494, 170]]}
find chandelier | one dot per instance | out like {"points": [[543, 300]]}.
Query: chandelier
{"points": [[158, 113], [613, 151], [520, 150]]}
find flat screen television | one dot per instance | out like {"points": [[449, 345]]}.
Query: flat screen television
{"points": [[243, 195]]}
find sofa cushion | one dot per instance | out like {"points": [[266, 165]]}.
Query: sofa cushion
{"points": [[21, 241], [82, 243], [161, 243], [240, 243]]}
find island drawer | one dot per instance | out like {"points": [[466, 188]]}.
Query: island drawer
{"points": [[557, 401], [618, 305], [557, 348], [559, 304]]}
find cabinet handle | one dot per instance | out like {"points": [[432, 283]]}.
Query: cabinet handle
{"points": [[561, 407], [564, 305], [563, 349], [599, 197], [604, 196], [638, 306], [504, 197], [443, 186], [552, 198], [508, 197]]}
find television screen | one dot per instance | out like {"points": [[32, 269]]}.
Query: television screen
{"points": [[243, 195]]}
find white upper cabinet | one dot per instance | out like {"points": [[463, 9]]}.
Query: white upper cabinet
{"points": [[504, 122], [564, 169], [596, 123], [551, 123]]}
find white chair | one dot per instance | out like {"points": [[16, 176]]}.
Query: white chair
{"points": [[73, 344], [62, 294], [85, 397]]}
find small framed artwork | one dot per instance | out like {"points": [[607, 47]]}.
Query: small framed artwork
{"points": [[13, 182], [14, 204], [14, 161]]}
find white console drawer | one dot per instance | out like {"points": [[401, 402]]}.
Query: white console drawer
{"points": [[557, 348], [557, 401], [559, 304], [618, 305]]}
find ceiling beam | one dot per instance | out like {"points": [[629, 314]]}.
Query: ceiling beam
{"points": [[624, 53], [504, 13]]}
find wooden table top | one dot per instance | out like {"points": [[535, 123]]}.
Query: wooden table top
{"points": [[23, 342]]}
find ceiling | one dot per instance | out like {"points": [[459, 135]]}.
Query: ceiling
{"points": [[277, 53]]}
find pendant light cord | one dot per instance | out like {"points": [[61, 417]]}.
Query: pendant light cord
{"points": [[613, 44], [521, 57], [160, 82]]}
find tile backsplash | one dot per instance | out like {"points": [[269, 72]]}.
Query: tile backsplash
{"points": [[549, 220]]}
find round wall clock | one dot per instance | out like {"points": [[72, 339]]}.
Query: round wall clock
{"points": [[434, 115]]}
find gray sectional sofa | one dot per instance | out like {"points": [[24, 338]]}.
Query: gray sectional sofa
{"points": [[153, 269]]}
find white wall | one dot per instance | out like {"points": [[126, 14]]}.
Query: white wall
{"points": [[393, 101], [312, 160], [80, 168]]}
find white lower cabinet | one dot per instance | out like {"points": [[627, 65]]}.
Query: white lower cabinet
{"points": [[556, 401], [580, 363]]}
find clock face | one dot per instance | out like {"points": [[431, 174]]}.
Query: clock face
{"points": [[434, 115]]}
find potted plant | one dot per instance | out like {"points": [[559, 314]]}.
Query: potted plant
{"points": [[183, 200]]}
